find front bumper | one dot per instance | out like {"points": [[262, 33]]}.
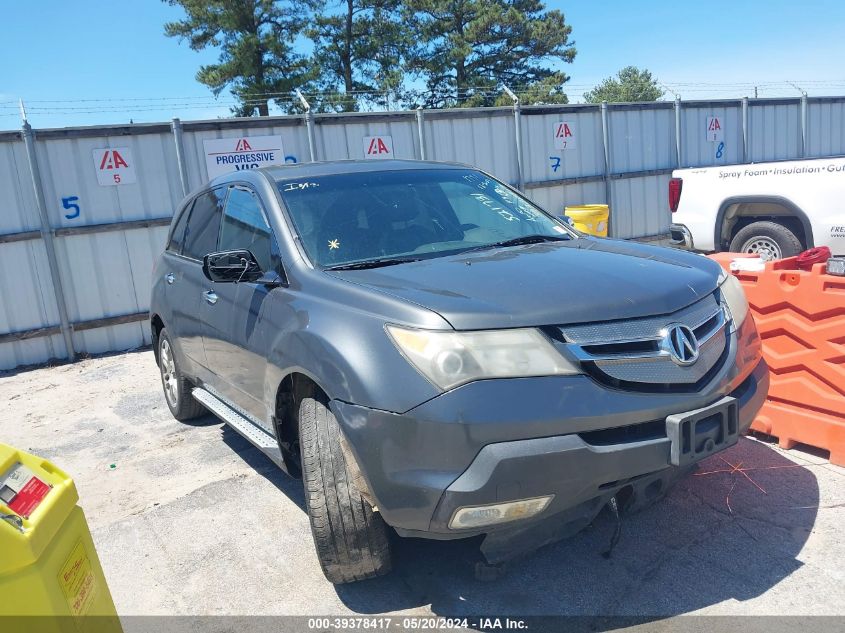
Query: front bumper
{"points": [[500, 440]]}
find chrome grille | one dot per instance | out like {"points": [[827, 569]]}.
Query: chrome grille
{"points": [[630, 351], [638, 329]]}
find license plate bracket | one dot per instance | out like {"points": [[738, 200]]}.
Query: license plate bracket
{"points": [[702, 432]]}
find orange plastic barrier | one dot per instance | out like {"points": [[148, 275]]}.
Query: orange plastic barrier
{"points": [[801, 319]]}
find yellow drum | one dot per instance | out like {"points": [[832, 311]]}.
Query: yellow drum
{"points": [[48, 565], [590, 218]]}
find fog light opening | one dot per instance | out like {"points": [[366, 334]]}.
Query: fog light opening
{"points": [[495, 513], [625, 498], [653, 489]]}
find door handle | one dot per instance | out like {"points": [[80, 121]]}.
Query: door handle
{"points": [[210, 296], [170, 278]]}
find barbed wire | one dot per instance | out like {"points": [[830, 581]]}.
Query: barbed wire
{"points": [[380, 99]]}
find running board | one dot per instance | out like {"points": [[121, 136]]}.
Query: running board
{"points": [[262, 440]]}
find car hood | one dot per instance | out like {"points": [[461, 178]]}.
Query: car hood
{"points": [[554, 283]]}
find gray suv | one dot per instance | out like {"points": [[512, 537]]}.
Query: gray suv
{"points": [[430, 351]]}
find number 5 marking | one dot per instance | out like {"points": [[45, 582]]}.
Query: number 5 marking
{"points": [[70, 203]]}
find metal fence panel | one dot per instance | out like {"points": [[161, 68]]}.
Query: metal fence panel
{"points": [[485, 142], [32, 351], [18, 204], [543, 161], [639, 206], [108, 274], [68, 173], [697, 150], [774, 131], [641, 138], [555, 198], [292, 131], [337, 140], [27, 304], [826, 128]]}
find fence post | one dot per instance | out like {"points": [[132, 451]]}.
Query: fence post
{"points": [[678, 132], [517, 136], [804, 125], [47, 236], [745, 129], [309, 125], [420, 132], [605, 139], [176, 127]]}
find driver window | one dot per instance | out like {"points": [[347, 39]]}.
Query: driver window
{"points": [[245, 227]]}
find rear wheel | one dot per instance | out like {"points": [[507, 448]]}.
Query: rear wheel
{"points": [[177, 388], [351, 539], [769, 240]]}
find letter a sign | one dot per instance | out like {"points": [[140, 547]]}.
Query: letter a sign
{"points": [[378, 147], [715, 129], [564, 135], [114, 166]]}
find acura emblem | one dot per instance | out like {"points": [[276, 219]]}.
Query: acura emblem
{"points": [[681, 344]]}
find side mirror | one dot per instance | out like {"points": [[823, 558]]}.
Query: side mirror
{"points": [[231, 267]]}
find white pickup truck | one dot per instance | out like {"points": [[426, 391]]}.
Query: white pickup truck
{"points": [[774, 209]]}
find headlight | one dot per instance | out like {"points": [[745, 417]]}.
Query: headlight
{"points": [[734, 296], [449, 359]]}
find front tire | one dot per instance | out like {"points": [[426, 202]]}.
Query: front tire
{"points": [[177, 388], [351, 539], [769, 240]]}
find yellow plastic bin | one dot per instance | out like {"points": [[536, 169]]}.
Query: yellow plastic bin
{"points": [[48, 565], [590, 218]]}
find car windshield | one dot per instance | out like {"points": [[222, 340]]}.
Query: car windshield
{"points": [[386, 217]]}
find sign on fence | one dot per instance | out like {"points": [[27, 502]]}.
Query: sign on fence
{"points": [[223, 155], [114, 166], [564, 135], [715, 129], [378, 147]]}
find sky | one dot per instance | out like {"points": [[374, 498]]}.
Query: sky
{"points": [[93, 62]]}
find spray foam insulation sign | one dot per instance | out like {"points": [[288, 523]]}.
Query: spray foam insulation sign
{"points": [[21, 490], [564, 133], [715, 129], [114, 166], [247, 152], [378, 147]]}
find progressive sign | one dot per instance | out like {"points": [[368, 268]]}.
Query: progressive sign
{"points": [[246, 152]]}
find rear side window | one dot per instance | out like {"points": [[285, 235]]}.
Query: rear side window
{"points": [[204, 224], [178, 234], [245, 228]]}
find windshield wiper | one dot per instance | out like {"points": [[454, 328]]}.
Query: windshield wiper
{"points": [[518, 241], [375, 263]]}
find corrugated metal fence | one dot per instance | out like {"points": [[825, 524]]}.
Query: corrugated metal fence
{"points": [[76, 257]]}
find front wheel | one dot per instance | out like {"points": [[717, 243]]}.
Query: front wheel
{"points": [[351, 539], [769, 240]]}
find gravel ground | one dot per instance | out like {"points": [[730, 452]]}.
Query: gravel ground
{"points": [[190, 519]]}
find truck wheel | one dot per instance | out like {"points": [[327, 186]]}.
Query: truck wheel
{"points": [[177, 388], [769, 240], [351, 539]]}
